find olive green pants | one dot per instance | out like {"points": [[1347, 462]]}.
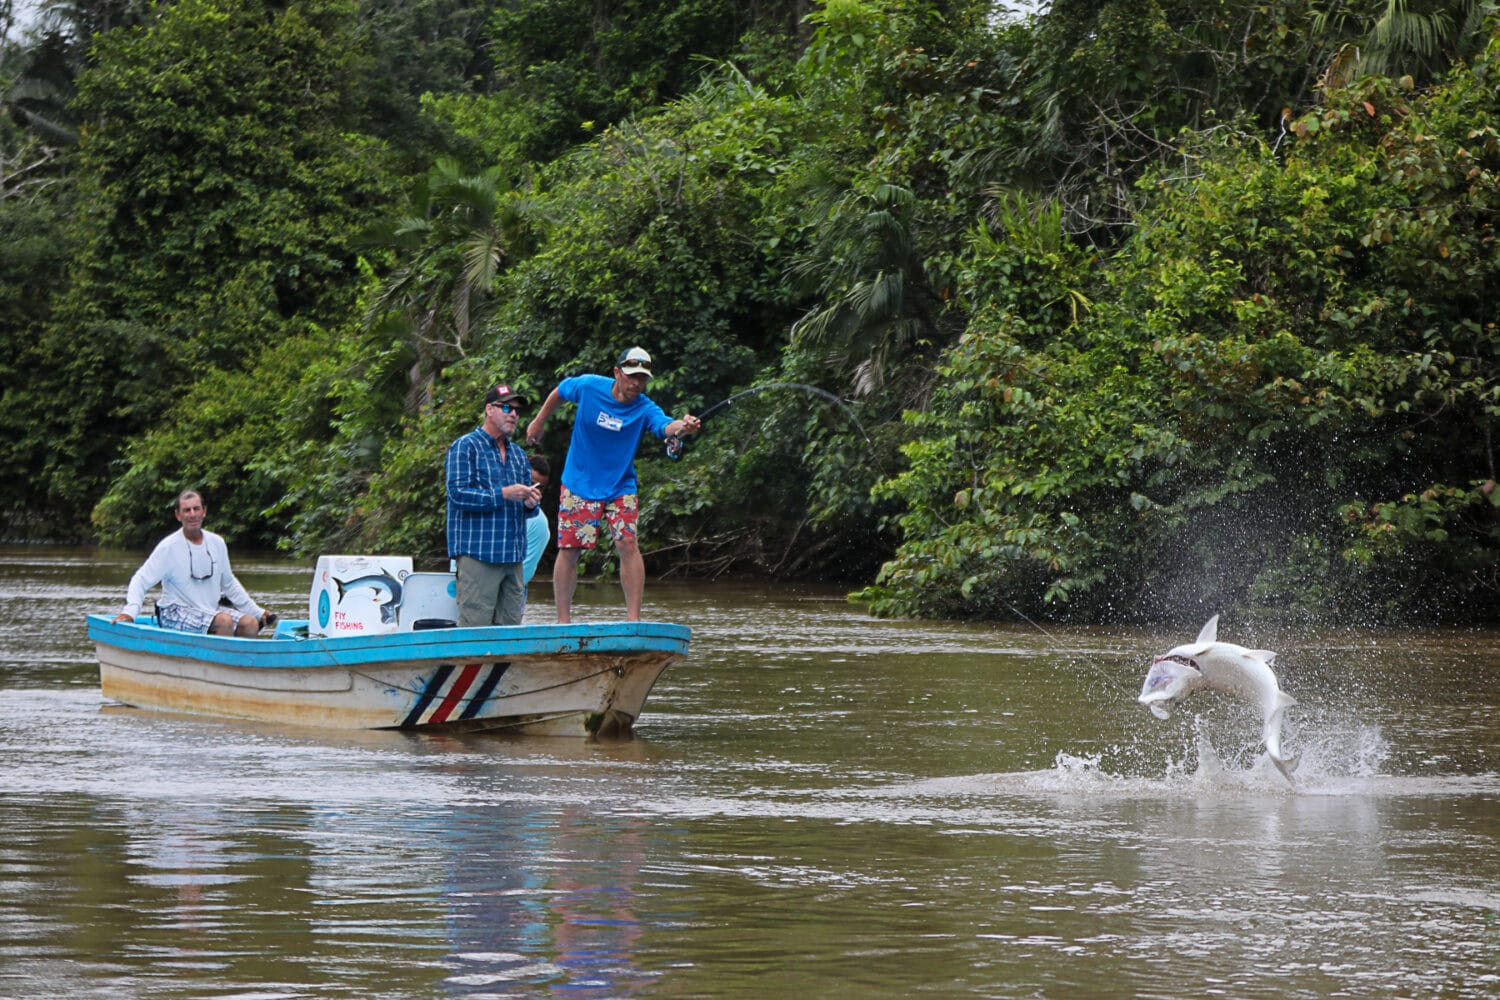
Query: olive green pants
{"points": [[489, 593]]}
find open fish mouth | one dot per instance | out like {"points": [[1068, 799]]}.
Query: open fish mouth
{"points": [[1158, 678], [1169, 681]]}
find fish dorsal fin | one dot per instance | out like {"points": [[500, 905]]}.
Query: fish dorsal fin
{"points": [[1264, 655], [1210, 631]]}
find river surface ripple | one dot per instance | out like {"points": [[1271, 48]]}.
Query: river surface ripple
{"points": [[815, 803]]}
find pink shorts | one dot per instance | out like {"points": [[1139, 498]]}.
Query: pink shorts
{"points": [[578, 520]]}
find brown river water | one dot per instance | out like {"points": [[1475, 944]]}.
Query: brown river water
{"points": [[815, 804]]}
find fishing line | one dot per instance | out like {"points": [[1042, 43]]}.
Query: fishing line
{"points": [[674, 448], [1028, 621], [674, 443]]}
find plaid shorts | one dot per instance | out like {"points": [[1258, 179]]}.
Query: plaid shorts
{"points": [[578, 520], [182, 618]]}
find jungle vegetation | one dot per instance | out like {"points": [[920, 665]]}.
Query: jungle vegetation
{"points": [[1144, 304]]}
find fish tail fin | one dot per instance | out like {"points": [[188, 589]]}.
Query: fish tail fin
{"points": [[1286, 765], [1284, 701]]}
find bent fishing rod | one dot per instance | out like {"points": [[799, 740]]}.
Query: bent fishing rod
{"points": [[674, 443]]}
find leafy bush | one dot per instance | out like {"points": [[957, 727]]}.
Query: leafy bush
{"points": [[1287, 392]]}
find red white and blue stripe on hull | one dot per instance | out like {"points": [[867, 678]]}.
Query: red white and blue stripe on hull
{"points": [[448, 691]]}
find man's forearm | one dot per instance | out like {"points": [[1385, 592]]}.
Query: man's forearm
{"points": [[534, 429]]}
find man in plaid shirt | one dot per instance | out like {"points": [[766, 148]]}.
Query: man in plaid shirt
{"points": [[490, 496]]}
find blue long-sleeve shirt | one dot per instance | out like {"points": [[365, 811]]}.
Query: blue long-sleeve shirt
{"points": [[482, 524]]}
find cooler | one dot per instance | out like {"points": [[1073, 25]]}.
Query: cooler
{"points": [[357, 595], [430, 600]]}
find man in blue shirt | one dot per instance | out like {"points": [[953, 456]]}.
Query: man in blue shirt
{"points": [[598, 480], [490, 496]]}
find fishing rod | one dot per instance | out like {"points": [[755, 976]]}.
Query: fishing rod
{"points": [[674, 443]]}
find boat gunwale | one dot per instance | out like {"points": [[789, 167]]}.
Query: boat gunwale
{"points": [[451, 644]]}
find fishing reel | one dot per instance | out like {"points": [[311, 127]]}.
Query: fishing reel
{"points": [[674, 447]]}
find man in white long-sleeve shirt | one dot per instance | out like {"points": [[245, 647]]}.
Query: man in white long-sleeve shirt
{"points": [[192, 566]]}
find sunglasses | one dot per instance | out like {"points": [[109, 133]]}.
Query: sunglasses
{"points": [[507, 407], [193, 567]]}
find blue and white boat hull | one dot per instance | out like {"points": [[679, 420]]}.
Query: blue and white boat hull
{"points": [[582, 679]]}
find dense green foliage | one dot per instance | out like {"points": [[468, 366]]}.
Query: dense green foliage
{"points": [[217, 194], [1136, 304], [1251, 408]]}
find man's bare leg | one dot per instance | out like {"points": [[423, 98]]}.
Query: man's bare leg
{"points": [[632, 576], [564, 581]]}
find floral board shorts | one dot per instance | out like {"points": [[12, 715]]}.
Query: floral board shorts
{"points": [[578, 520]]}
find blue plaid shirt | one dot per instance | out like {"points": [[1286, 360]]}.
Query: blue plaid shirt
{"points": [[481, 525]]}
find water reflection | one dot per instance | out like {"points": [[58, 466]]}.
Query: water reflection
{"points": [[521, 883], [527, 891], [526, 908]]}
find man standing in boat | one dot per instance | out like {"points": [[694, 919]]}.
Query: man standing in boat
{"points": [[598, 480], [490, 498], [192, 566]]}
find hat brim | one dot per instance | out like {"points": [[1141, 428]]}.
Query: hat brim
{"points": [[635, 369]]}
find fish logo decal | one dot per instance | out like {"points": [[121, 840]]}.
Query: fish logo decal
{"points": [[387, 592]]}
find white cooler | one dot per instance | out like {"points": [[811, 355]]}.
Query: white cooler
{"points": [[430, 600], [357, 595]]}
